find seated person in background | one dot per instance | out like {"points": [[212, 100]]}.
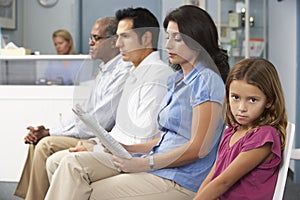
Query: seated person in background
{"points": [[174, 165], [63, 42], [102, 104], [144, 89], [62, 72], [249, 154]]}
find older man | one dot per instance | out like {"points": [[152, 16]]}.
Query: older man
{"points": [[102, 103]]}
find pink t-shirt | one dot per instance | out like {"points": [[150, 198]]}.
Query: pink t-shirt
{"points": [[260, 182]]}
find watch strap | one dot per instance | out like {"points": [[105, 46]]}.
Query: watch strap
{"points": [[151, 162]]}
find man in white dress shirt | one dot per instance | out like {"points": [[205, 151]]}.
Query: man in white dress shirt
{"points": [[102, 104], [136, 119]]}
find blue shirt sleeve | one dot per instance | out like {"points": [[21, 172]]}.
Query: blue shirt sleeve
{"points": [[206, 87]]}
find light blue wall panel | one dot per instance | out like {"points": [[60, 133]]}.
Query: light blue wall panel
{"points": [[93, 9]]}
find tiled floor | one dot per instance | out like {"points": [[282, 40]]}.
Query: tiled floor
{"points": [[292, 191], [6, 191]]}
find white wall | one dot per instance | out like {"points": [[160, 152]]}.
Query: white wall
{"points": [[40, 22], [23, 107], [282, 48]]}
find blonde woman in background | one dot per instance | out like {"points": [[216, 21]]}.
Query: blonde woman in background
{"points": [[63, 42], [62, 72]]}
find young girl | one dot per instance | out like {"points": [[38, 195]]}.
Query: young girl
{"points": [[249, 154]]}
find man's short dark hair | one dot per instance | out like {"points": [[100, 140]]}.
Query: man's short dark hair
{"points": [[143, 21]]}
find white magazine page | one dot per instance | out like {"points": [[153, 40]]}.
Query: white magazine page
{"points": [[105, 138]]}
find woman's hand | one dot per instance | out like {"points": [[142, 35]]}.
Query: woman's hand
{"points": [[131, 165]]}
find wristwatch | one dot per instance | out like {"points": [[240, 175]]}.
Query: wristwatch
{"points": [[151, 162], [47, 3]]}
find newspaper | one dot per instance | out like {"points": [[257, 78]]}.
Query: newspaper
{"points": [[105, 138]]}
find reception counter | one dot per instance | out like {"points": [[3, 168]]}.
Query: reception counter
{"points": [[28, 70], [27, 104]]}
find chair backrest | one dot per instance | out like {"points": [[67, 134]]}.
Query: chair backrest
{"points": [[284, 166]]}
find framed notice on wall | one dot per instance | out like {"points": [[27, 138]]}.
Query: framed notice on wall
{"points": [[8, 14]]}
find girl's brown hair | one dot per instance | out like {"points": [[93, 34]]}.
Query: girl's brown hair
{"points": [[262, 74]]}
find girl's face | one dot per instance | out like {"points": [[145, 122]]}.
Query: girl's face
{"points": [[62, 46], [179, 52], [247, 102]]}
